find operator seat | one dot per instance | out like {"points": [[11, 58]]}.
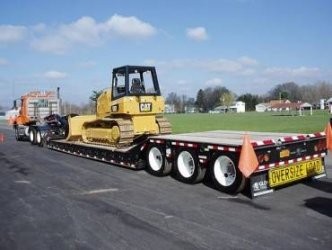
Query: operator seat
{"points": [[136, 86]]}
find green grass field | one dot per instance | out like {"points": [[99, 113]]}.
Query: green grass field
{"points": [[250, 121]]}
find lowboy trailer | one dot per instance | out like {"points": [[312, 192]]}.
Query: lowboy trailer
{"points": [[129, 130], [279, 158]]}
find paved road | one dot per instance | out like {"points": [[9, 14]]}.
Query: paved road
{"points": [[50, 200]]}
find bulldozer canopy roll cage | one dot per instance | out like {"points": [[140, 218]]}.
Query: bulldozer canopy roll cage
{"points": [[134, 81]]}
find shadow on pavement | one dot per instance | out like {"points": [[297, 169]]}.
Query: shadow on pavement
{"points": [[321, 205], [325, 186]]}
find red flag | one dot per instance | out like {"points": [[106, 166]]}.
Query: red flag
{"points": [[248, 162]]}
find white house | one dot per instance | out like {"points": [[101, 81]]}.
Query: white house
{"points": [[169, 108], [329, 103], [305, 106], [219, 109], [322, 104], [238, 107], [262, 107]]}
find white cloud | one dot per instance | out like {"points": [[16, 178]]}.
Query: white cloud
{"points": [[11, 33], [248, 72], [51, 43], [40, 27], [3, 62], [247, 61], [131, 27], [55, 75], [214, 82], [224, 65], [87, 31], [306, 72], [241, 66], [197, 34], [292, 72]]}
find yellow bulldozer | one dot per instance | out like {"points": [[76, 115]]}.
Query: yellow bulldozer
{"points": [[132, 108]]}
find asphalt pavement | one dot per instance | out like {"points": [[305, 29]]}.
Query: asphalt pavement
{"points": [[51, 200]]}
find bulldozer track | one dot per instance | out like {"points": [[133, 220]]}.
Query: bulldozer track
{"points": [[125, 129], [165, 126], [126, 132], [98, 132]]}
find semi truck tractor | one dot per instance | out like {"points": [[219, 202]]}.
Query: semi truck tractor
{"points": [[129, 130], [33, 108]]}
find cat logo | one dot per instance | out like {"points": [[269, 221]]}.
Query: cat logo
{"points": [[145, 107], [115, 108]]}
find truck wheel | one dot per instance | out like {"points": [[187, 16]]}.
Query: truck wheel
{"points": [[32, 136], [157, 162], [226, 176], [187, 167], [39, 139], [17, 135]]}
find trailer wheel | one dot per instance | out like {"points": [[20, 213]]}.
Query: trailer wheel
{"points": [[32, 136], [187, 167], [226, 176], [157, 162]]}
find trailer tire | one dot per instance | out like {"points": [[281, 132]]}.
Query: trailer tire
{"points": [[157, 165], [32, 135], [225, 174], [187, 167]]}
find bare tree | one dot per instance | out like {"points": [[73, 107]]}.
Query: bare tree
{"points": [[227, 99], [289, 90], [174, 99]]}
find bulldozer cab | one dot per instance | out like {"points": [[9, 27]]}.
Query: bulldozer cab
{"points": [[134, 81]]}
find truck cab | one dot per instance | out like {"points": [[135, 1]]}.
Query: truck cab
{"points": [[33, 107]]}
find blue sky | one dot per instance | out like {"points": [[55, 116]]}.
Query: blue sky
{"points": [[248, 46]]}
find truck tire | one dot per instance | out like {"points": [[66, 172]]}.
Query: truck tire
{"points": [[32, 135], [187, 166], [225, 174], [157, 162], [39, 138], [18, 137]]}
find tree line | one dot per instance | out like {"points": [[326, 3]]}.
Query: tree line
{"points": [[212, 97]]}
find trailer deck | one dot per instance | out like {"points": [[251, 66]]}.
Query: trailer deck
{"points": [[226, 137]]}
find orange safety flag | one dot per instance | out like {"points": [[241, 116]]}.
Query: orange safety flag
{"points": [[248, 162], [328, 133]]}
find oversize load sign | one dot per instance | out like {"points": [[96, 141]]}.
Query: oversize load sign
{"points": [[145, 107], [293, 172]]}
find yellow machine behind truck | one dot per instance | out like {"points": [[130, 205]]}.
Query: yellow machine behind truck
{"points": [[132, 108]]}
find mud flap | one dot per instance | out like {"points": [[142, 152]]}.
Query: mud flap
{"points": [[259, 184]]}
